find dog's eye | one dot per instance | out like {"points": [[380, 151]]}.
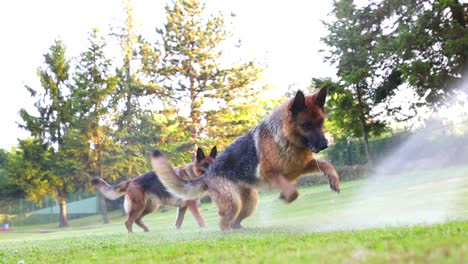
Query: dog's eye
{"points": [[307, 126], [205, 165]]}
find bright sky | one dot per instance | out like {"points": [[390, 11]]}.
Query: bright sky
{"points": [[284, 36]]}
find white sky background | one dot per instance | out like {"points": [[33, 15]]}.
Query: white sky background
{"points": [[283, 36]]}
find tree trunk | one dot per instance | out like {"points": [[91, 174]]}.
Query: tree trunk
{"points": [[63, 218], [194, 131], [366, 139], [128, 107], [362, 121], [105, 218], [194, 111], [103, 205]]}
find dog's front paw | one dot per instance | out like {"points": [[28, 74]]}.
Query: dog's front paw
{"points": [[334, 182], [290, 197]]}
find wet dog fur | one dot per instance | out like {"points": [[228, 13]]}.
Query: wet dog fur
{"points": [[276, 152]]}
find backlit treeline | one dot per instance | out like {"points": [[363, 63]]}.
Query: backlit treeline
{"points": [[94, 117]]}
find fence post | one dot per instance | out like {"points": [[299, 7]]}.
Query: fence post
{"points": [[50, 206], [20, 211], [98, 202], [348, 150]]}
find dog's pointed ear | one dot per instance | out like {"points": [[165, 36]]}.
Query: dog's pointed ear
{"points": [[214, 152], [200, 154], [321, 97], [298, 104]]}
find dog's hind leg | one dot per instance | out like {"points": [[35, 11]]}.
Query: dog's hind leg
{"points": [[180, 216], [149, 209], [134, 204], [249, 198], [140, 223], [193, 207], [134, 214], [226, 195]]}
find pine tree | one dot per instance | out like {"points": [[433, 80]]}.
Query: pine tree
{"points": [[127, 90], [92, 104], [53, 120], [129, 154], [187, 64]]}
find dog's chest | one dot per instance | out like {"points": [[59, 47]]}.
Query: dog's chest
{"points": [[282, 159]]}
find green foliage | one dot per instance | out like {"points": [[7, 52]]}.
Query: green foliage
{"points": [[51, 103], [127, 158], [168, 131], [30, 168], [129, 88], [379, 46], [343, 112], [235, 119], [89, 137], [8, 190], [163, 129], [48, 172], [425, 42], [421, 44], [351, 42]]}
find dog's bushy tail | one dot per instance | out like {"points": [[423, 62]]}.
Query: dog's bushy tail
{"points": [[185, 189], [111, 192]]}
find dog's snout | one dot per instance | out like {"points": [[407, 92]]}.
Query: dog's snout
{"points": [[322, 144], [324, 147]]}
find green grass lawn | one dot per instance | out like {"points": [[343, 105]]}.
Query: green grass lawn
{"points": [[416, 217]]}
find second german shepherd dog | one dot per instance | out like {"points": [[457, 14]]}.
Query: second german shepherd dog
{"points": [[146, 193], [276, 152]]}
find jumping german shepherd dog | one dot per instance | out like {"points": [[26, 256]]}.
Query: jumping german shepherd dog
{"points": [[146, 193], [276, 152]]}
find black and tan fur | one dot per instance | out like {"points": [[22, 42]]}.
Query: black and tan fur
{"points": [[146, 193], [276, 152]]}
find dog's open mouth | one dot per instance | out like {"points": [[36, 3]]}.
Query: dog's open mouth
{"points": [[314, 149], [311, 146]]}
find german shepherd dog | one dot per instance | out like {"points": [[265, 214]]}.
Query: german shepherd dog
{"points": [[276, 152], [146, 193]]}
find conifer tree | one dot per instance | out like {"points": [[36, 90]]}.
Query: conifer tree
{"points": [[93, 108], [187, 64], [50, 124]]}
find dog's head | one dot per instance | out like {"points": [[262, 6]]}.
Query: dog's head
{"points": [[306, 118], [203, 162]]}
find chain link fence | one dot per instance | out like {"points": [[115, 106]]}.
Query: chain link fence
{"points": [[352, 152], [16, 213]]}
